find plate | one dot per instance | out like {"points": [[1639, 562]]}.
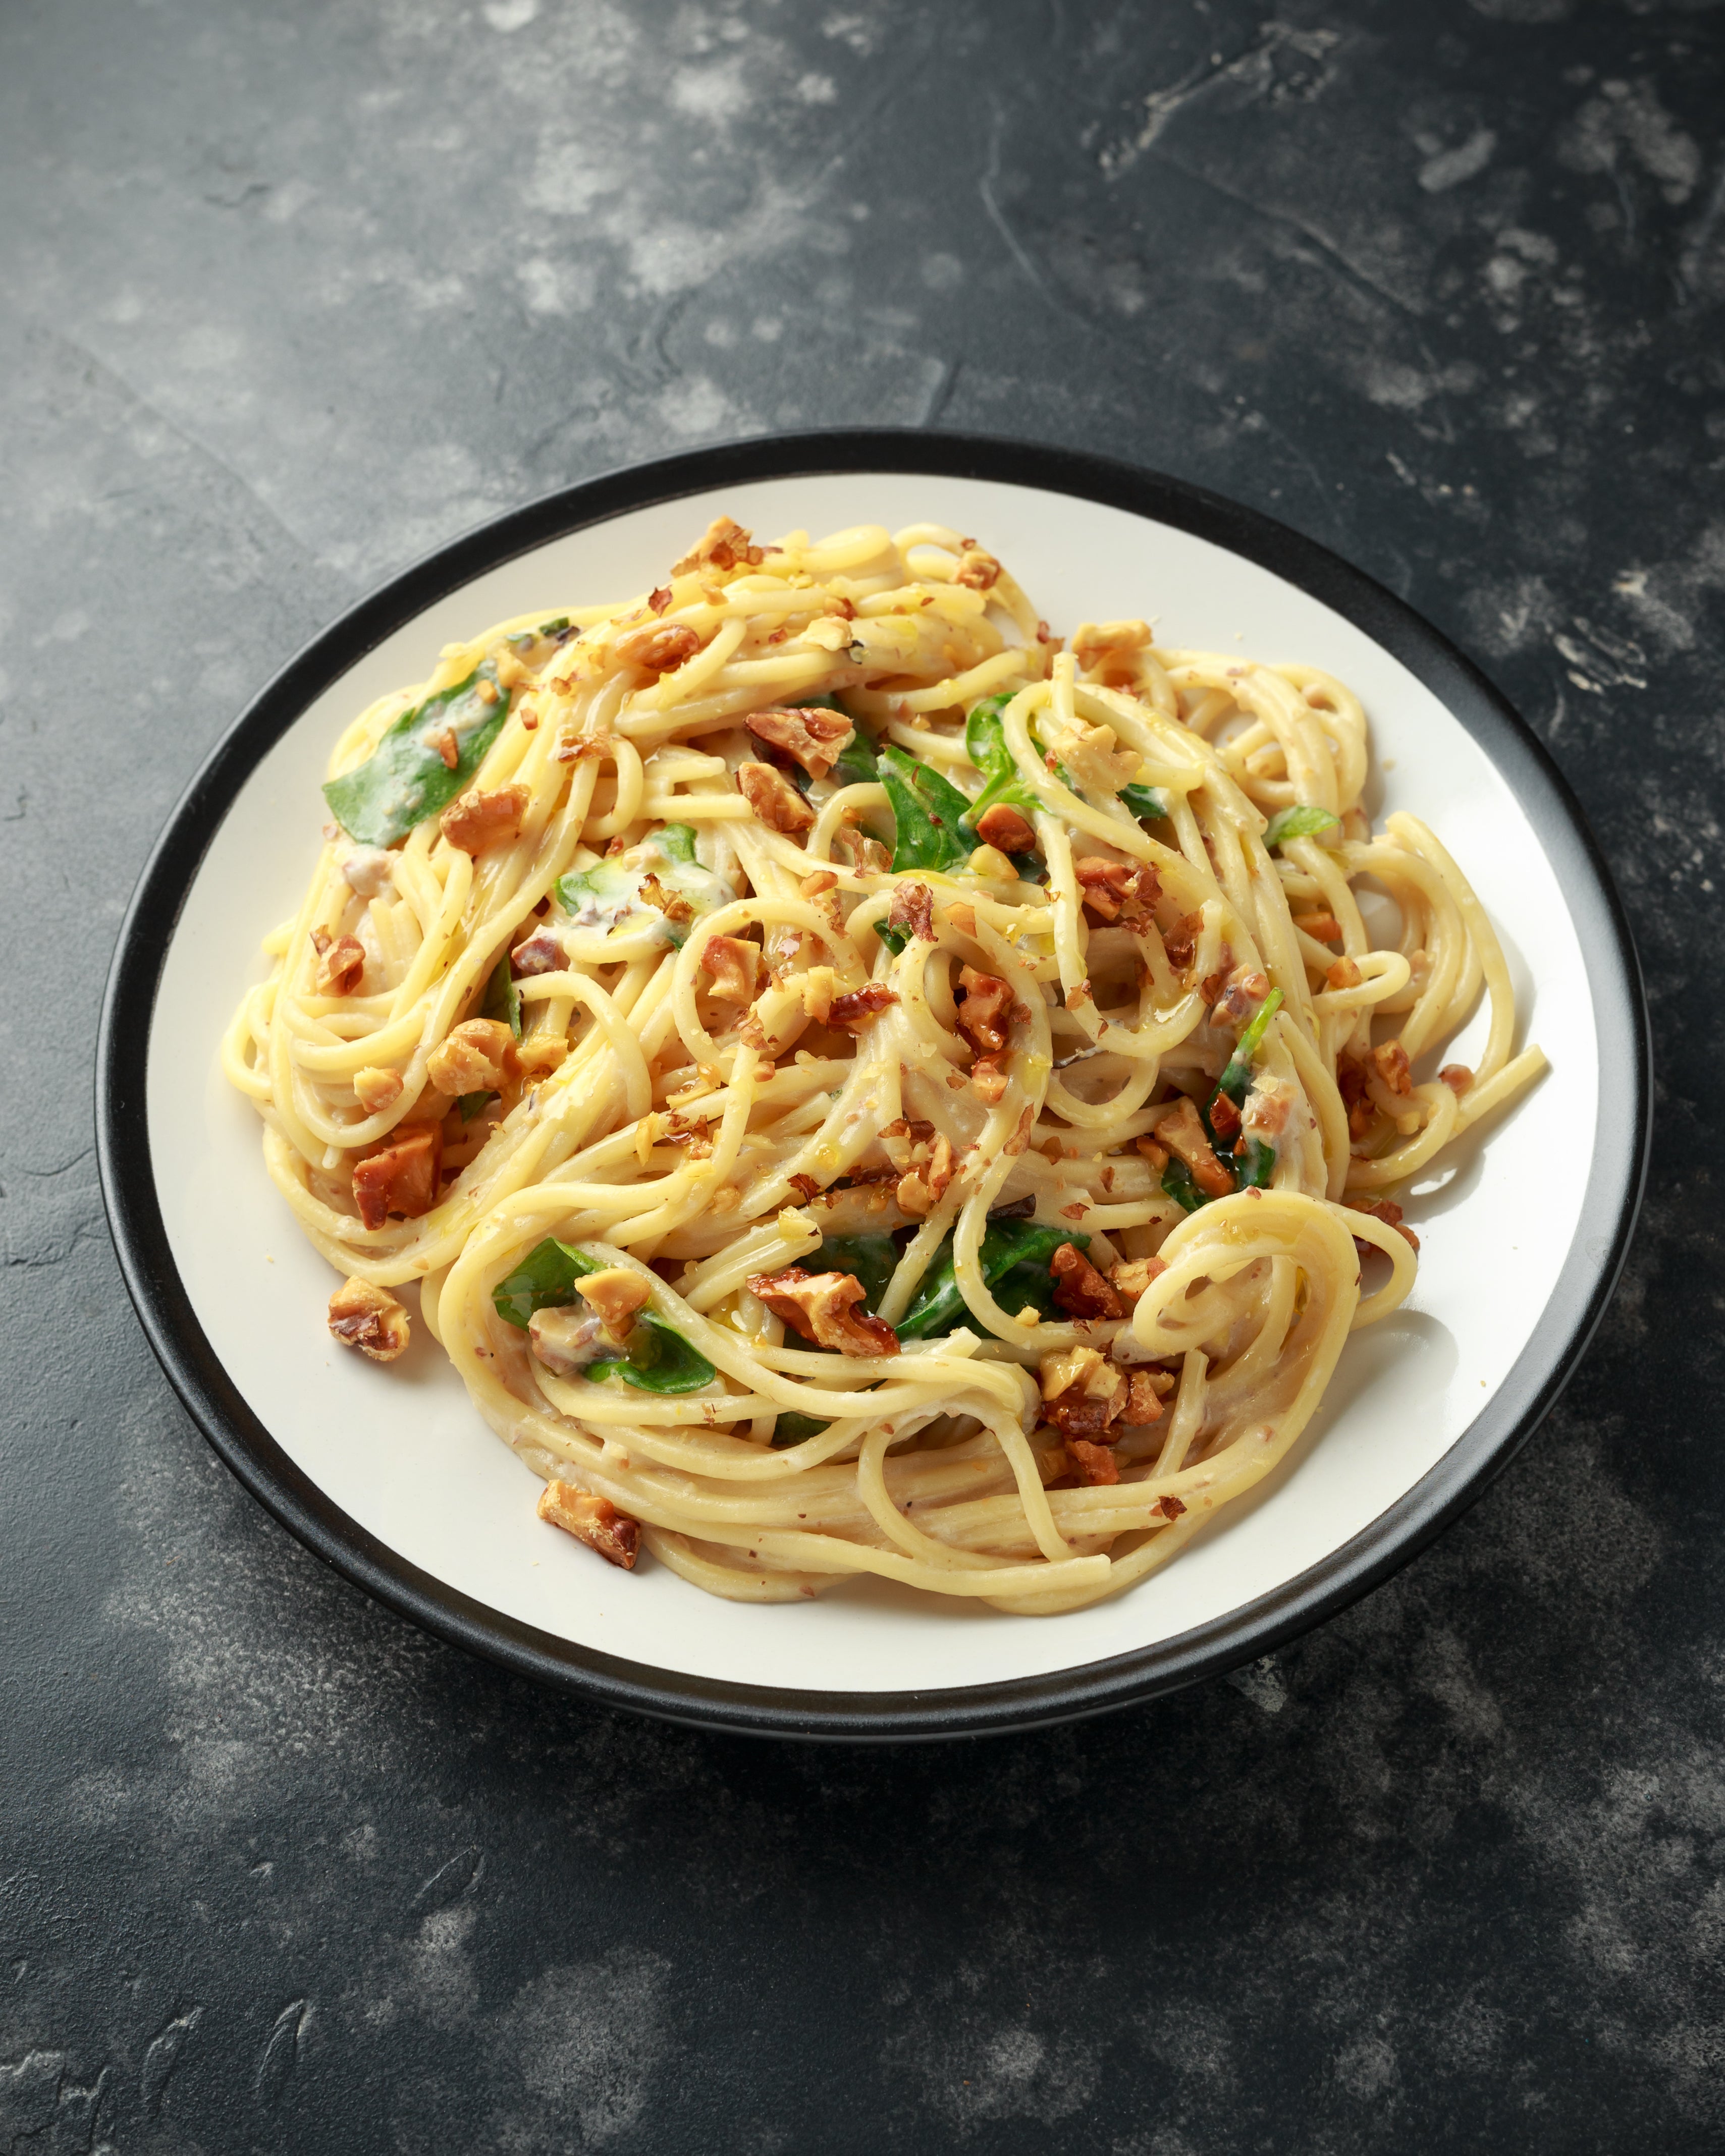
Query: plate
{"points": [[394, 1479]]}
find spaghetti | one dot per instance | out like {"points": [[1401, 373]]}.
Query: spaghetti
{"points": [[861, 1087]]}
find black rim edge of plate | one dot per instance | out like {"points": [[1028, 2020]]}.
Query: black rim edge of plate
{"points": [[1585, 1282]]}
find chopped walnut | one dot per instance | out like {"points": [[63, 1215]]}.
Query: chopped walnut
{"points": [[1080, 1290], [1245, 989], [1003, 827], [1389, 1059], [1184, 1133], [732, 963], [725, 545], [474, 821], [987, 1081], [543, 951], [928, 1179], [1094, 1465], [542, 1053], [341, 966], [401, 1178], [594, 1521], [377, 1089], [1224, 1117], [1154, 1151], [978, 570], [657, 647], [860, 1006], [671, 903], [815, 886], [1343, 974], [1168, 1505], [1268, 1108], [1083, 1370], [476, 1058], [616, 1294], [1114, 891], [775, 801], [822, 1306], [867, 856], [1356, 1095], [1457, 1077], [983, 1013], [1143, 1399], [1131, 1276], [1107, 651], [816, 738], [1077, 1414], [912, 912], [368, 1318], [1181, 941]]}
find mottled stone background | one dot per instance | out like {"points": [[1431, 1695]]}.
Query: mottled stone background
{"points": [[290, 293]]}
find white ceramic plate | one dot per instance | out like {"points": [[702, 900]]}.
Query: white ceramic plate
{"points": [[391, 1475]]}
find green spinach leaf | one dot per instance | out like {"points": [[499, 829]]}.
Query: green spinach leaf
{"points": [[1009, 1247], [544, 1280], [1148, 804], [1237, 1077], [405, 779], [1299, 822], [660, 1360], [503, 999], [985, 744], [927, 811]]}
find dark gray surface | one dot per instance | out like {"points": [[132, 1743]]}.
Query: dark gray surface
{"points": [[287, 295]]}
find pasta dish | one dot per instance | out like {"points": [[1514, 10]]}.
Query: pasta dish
{"points": [[864, 1085]]}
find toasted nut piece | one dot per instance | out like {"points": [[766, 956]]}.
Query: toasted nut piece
{"points": [[854, 1011], [733, 965], [867, 856], [725, 545], [377, 1089], [816, 738], [542, 1055], [476, 1058], [616, 1294], [1184, 1133], [920, 1190], [1154, 1151], [1115, 891], [976, 569], [1457, 1077], [659, 647], [368, 1318], [1245, 989], [1080, 1290], [912, 912], [1063, 1369], [1343, 974], [1093, 1463], [1389, 1058], [1169, 1505], [821, 1307], [818, 983], [1143, 1402], [339, 969], [1107, 651], [1322, 927], [1130, 1277], [1224, 1117], [775, 801], [1004, 828], [474, 821], [983, 1014], [812, 886], [987, 1081], [401, 1177], [594, 1521]]}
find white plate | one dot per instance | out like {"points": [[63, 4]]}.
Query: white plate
{"points": [[393, 1475]]}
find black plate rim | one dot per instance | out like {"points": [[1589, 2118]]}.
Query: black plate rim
{"points": [[1589, 1276]]}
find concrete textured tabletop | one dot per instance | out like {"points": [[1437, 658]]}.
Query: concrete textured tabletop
{"points": [[289, 295]]}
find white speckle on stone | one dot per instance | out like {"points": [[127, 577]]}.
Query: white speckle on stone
{"points": [[508, 15], [1451, 167]]}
